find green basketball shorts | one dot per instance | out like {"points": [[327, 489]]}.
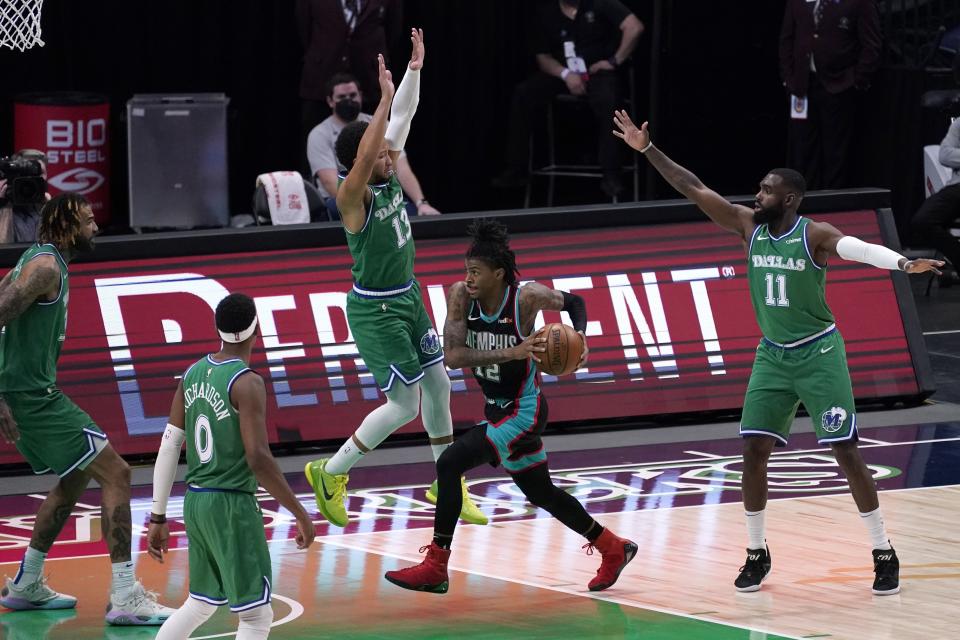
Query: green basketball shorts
{"points": [[394, 336], [55, 434], [229, 560], [815, 374]]}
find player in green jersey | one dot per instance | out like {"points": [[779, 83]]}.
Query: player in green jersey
{"points": [[219, 409], [801, 357], [385, 310], [53, 433]]}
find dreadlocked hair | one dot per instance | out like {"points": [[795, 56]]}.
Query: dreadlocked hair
{"points": [[60, 220], [492, 245]]}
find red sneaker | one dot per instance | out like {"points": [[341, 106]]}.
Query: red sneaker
{"points": [[430, 575], [616, 553]]}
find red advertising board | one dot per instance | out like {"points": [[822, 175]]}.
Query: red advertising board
{"points": [[671, 328], [72, 129]]}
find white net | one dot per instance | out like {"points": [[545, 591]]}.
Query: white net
{"points": [[20, 23]]}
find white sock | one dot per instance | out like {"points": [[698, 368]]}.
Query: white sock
{"points": [[402, 406], [875, 529], [123, 580], [756, 529], [437, 421], [30, 567], [185, 620], [255, 623]]}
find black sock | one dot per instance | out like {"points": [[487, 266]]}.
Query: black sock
{"points": [[442, 541], [593, 532]]}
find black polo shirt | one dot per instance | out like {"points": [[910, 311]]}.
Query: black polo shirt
{"points": [[595, 31]]}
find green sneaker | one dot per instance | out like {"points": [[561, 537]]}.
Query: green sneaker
{"points": [[330, 491], [469, 512]]}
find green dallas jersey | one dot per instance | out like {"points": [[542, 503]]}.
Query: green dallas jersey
{"points": [[216, 458], [30, 343], [787, 288], [383, 250]]}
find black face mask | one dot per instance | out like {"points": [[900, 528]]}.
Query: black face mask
{"points": [[347, 109]]}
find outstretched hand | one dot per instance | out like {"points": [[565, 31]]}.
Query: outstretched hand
{"points": [[385, 78], [628, 132], [922, 265], [416, 54]]}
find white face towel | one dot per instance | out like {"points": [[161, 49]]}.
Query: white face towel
{"points": [[286, 197]]}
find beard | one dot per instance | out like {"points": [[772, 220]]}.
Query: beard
{"points": [[768, 215], [84, 245]]}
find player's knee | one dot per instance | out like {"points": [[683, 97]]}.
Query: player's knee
{"points": [[255, 623], [407, 405], [448, 464], [118, 473], [435, 380], [199, 610], [755, 452]]}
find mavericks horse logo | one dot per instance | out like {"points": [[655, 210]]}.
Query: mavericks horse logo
{"points": [[832, 420], [430, 343]]}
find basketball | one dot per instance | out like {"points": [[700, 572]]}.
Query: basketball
{"points": [[564, 346]]}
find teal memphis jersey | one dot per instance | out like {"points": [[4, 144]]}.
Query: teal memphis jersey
{"points": [[30, 343], [216, 458], [383, 250], [787, 288]]}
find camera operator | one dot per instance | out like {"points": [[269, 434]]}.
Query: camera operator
{"points": [[23, 185]]}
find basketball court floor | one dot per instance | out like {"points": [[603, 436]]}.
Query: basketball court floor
{"points": [[674, 490]]}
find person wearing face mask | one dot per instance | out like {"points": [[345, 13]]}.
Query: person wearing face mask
{"points": [[345, 99]]}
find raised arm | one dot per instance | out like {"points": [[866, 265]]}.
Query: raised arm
{"points": [[827, 241], [407, 98], [352, 193], [250, 398], [456, 352], [39, 278], [732, 217]]}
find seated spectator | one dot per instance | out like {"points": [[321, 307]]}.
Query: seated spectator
{"points": [[344, 98], [19, 222], [580, 44], [938, 212]]}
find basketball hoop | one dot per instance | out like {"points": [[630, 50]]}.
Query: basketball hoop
{"points": [[20, 24]]}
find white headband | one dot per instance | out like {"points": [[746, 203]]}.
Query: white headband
{"points": [[236, 337]]}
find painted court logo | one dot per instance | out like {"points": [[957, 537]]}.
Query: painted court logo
{"points": [[430, 343], [832, 420]]}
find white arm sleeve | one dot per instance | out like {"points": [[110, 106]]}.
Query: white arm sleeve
{"points": [[166, 467], [401, 111], [850, 248]]}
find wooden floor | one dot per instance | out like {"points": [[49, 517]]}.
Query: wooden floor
{"points": [[523, 577], [819, 586]]}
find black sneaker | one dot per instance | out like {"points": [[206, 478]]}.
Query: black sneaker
{"points": [[754, 571], [886, 568]]}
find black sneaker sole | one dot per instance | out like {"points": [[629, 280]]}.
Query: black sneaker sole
{"points": [[443, 587], [629, 553], [754, 587]]}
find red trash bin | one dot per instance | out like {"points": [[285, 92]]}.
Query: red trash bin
{"points": [[72, 128]]}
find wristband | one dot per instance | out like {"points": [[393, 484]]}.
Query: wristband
{"points": [[647, 148], [157, 518], [422, 201]]}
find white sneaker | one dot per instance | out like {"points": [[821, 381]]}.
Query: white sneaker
{"points": [[139, 608], [36, 595]]}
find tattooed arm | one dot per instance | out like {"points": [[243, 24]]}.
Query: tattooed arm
{"points": [[40, 278], [456, 352]]}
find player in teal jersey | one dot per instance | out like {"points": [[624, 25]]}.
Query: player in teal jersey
{"points": [[53, 433], [801, 357], [490, 328], [385, 310], [219, 409]]}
